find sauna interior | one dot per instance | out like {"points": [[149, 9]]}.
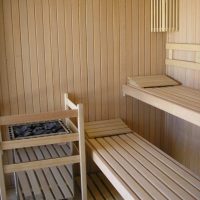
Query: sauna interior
{"points": [[113, 88]]}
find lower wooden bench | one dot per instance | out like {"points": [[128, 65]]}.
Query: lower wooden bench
{"points": [[135, 167]]}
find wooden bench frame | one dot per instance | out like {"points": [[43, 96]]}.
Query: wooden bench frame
{"points": [[71, 111]]}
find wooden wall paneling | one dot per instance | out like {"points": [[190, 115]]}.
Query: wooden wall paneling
{"points": [[40, 55], [10, 56], [62, 49], [18, 56], [55, 54], [90, 58], [104, 58], [76, 50], [116, 36], [129, 50], [69, 47], [97, 58], [26, 55], [4, 76], [135, 59], [47, 54], [83, 56], [87, 47], [123, 67], [111, 108], [33, 55], [183, 138]]}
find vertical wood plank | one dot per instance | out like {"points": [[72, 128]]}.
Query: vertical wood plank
{"points": [[55, 54], [40, 55], [129, 49], [33, 55], [26, 55], [83, 56], [62, 49], [69, 47], [135, 58], [97, 58], [10, 56], [111, 109], [2, 178], [90, 59], [122, 33], [76, 50], [18, 56], [48, 55], [104, 58], [116, 56], [3, 67]]}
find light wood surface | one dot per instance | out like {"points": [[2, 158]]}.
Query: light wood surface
{"points": [[20, 119], [84, 47], [82, 152], [2, 175], [39, 141], [40, 164], [139, 170]]}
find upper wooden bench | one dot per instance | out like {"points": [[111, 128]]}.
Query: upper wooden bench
{"points": [[135, 167], [183, 102], [180, 101]]}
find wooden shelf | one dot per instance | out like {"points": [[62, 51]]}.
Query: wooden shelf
{"points": [[47, 183], [179, 101]]}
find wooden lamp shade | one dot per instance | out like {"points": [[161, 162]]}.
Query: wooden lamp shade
{"points": [[164, 15]]}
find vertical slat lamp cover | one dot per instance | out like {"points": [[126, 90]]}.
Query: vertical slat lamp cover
{"points": [[164, 15]]}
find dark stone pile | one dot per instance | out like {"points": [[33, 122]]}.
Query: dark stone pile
{"points": [[37, 129]]}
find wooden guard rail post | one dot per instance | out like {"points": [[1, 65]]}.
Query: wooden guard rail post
{"points": [[71, 110]]}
